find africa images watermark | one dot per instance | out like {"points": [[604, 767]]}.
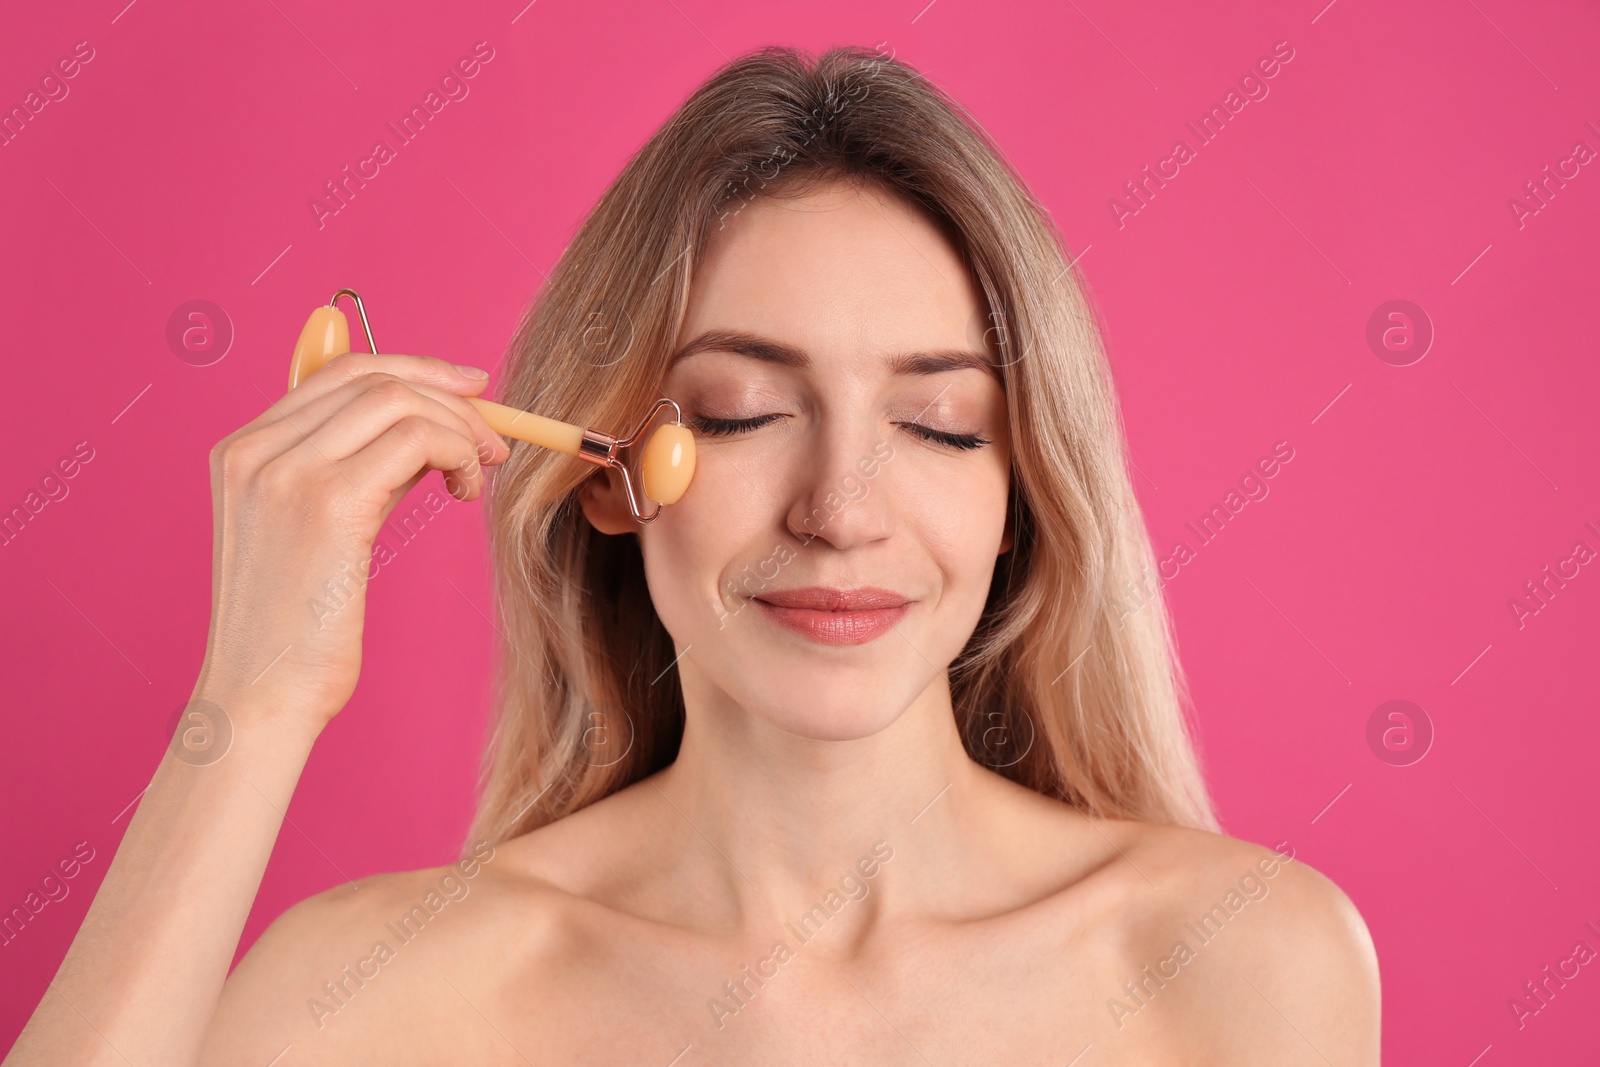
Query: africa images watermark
{"points": [[1539, 591], [850, 92], [1253, 487], [199, 732], [53, 888], [451, 887], [453, 87], [54, 487], [737, 994], [1253, 87], [53, 89], [1540, 991], [1538, 192], [337, 591], [1204, 930]]}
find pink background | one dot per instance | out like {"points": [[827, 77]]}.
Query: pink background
{"points": [[1419, 501]]}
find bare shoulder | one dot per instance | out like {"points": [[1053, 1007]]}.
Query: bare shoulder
{"points": [[374, 970], [415, 966], [1215, 875], [1274, 946]]}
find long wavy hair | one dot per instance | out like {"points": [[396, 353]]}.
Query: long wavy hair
{"points": [[1070, 682]]}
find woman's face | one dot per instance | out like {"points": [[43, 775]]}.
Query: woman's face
{"points": [[851, 434]]}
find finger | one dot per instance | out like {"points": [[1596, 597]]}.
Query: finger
{"points": [[381, 400], [384, 405], [417, 443], [399, 492], [345, 368], [347, 419]]}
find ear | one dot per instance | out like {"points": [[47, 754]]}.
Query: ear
{"points": [[605, 503]]}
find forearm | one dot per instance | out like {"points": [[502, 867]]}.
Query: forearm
{"points": [[141, 979]]}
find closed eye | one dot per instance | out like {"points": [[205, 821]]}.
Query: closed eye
{"points": [[963, 441], [728, 427]]}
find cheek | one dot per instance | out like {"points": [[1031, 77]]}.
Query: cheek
{"points": [[966, 501], [698, 542], [963, 530]]}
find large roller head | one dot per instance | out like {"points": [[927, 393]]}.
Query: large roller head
{"points": [[326, 334], [668, 463]]}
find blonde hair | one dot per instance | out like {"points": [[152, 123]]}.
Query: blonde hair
{"points": [[1066, 686]]}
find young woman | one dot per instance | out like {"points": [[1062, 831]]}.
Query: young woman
{"points": [[868, 750]]}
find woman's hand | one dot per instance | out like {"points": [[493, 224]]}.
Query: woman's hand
{"points": [[298, 497]]}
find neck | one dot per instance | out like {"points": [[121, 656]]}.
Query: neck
{"points": [[788, 816]]}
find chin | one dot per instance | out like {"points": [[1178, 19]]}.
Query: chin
{"points": [[815, 721], [831, 705], [812, 690]]}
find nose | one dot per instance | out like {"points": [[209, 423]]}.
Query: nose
{"points": [[842, 496]]}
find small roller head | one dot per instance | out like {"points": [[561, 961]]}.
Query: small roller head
{"points": [[326, 334], [668, 463]]}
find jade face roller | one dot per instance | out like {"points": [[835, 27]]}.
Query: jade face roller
{"points": [[665, 466]]}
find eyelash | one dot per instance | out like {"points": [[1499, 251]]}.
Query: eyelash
{"points": [[727, 427]]}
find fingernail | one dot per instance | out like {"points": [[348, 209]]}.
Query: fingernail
{"points": [[472, 372]]}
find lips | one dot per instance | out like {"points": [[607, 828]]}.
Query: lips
{"points": [[821, 598], [835, 616]]}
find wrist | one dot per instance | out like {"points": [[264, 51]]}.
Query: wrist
{"points": [[216, 719]]}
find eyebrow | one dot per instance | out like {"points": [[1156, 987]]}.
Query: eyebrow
{"points": [[769, 351]]}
